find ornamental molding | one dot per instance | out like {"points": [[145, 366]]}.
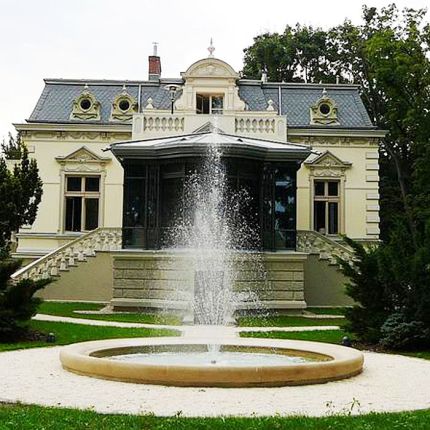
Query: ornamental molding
{"points": [[327, 165], [86, 106], [84, 157], [324, 111], [124, 106], [210, 68]]}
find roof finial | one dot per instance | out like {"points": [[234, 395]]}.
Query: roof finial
{"points": [[86, 87], [324, 92], [211, 49], [155, 46], [124, 89]]}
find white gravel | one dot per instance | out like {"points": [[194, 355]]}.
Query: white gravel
{"points": [[388, 383]]}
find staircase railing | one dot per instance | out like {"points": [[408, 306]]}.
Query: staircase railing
{"points": [[313, 242], [68, 255]]}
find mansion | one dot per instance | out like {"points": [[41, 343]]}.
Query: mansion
{"points": [[310, 151]]}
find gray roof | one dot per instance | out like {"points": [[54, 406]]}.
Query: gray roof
{"points": [[196, 144], [55, 102]]}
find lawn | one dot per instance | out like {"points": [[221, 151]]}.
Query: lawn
{"points": [[329, 336], [66, 333], [14, 417], [287, 321], [67, 309]]}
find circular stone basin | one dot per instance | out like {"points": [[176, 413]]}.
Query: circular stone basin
{"points": [[241, 362]]}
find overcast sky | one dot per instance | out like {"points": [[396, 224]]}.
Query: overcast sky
{"points": [[112, 39]]}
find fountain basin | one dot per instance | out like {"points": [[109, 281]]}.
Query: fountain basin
{"points": [[319, 362]]}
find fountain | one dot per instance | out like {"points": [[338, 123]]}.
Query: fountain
{"points": [[214, 233]]}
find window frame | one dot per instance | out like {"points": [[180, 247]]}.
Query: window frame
{"points": [[211, 96], [84, 195], [327, 199]]}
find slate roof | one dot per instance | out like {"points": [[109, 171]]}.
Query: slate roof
{"points": [[55, 102]]}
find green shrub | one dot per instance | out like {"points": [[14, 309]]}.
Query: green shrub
{"points": [[398, 333], [17, 301], [368, 289]]}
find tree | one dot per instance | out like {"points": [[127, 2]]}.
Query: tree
{"points": [[13, 149], [20, 194], [388, 56], [300, 54]]}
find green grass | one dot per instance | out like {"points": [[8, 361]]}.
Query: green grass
{"points": [[66, 309], [328, 336], [287, 321], [66, 333], [20, 417], [326, 311]]}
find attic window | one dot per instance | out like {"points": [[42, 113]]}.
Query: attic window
{"points": [[209, 104], [324, 108], [85, 104], [124, 105]]}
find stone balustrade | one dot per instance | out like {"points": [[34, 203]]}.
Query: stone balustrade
{"points": [[70, 254], [313, 242]]}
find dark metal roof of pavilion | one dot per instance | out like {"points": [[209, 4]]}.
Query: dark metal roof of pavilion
{"points": [[196, 145]]}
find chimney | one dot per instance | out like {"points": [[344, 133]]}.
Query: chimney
{"points": [[154, 65]]}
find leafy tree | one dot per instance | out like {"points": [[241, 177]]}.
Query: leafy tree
{"points": [[299, 54], [388, 56], [20, 194]]}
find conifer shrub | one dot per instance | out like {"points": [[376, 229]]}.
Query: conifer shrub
{"points": [[17, 302]]}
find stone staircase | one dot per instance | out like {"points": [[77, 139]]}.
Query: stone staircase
{"points": [[328, 249], [72, 254], [108, 239]]}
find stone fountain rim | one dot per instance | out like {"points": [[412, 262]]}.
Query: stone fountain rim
{"points": [[345, 363]]}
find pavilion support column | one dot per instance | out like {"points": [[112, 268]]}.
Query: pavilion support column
{"points": [[152, 208]]}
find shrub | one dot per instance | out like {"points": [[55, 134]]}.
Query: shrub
{"points": [[17, 301], [368, 289], [398, 333]]}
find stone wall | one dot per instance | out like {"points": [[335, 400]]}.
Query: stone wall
{"points": [[148, 279]]}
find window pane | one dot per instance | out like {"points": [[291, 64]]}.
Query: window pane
{"points": [[134, 201], [73, 213], [205, 104], [319, 188], [199, 103], [92, 183], [91, 214], [217, 104], [333, 215], [74, 183], [319, 217], [333, 188]]}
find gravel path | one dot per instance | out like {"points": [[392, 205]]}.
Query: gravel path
{"points": [[388, 383], [190, 330]]}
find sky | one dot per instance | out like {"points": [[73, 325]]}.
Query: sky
{"points": [[111, 39]]}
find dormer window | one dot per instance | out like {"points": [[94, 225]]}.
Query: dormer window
{"points": [[209, 104], [124, 106], [324, 111], [85, 106]]}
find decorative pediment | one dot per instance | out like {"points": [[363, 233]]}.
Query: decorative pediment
{"points": [[208, 127], [210, 68], [124, 106], [86, 106], [327, 165], [324, 111], [83, 155]]}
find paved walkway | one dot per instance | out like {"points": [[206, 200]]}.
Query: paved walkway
{"points": [[186, 330], [388, 383]]}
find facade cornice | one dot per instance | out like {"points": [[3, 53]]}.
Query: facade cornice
{"points": [[113, 128], [337, 132]]}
